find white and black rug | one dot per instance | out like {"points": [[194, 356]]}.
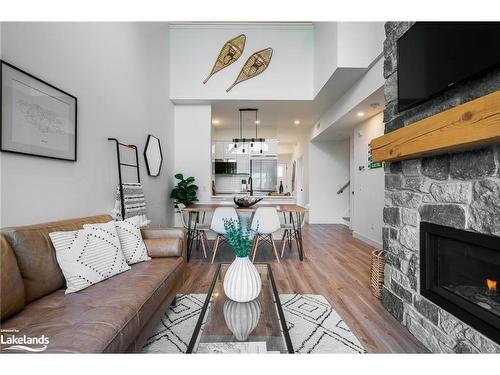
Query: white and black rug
{"points": [[314, 326]]}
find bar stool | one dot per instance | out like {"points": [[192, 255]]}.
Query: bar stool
{"points": [[290, 233], [200, 234], [265, 222], [217, 224]]}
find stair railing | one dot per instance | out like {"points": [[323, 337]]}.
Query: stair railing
{"points": [[341, 190]]}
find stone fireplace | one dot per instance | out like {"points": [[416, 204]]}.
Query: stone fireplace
{"points": [[457, 190]]}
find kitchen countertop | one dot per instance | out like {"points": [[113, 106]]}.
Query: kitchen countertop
{"points": [[223, 197]]}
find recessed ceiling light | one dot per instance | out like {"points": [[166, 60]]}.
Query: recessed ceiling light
{"points": [[296, 122], [257, 122], [216, 122], [361, 114]]}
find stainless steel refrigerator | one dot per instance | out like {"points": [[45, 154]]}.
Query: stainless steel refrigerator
{"points": [[264, 173]]}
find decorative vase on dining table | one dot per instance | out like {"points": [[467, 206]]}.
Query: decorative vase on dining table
{"points": [[242, 281]]}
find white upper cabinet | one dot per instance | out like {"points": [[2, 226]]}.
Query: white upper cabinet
{"points": [[218, 150], [226, 149], [269, 148]]}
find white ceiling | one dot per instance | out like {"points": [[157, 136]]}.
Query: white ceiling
{"points": [[283, 113], [342, 128], [272, 113]]}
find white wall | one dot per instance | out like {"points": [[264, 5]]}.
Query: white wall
{"points": [[325, 53], [119, 73], [368, 184], [328, 171], [1, 153], [195, 47], [193, 146], [362, 89], [301, 150], [359, 43]]}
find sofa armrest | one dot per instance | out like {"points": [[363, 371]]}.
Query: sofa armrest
{"points": [[161, 241]]}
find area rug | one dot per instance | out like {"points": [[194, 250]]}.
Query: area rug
{"points": [[314, 326]]}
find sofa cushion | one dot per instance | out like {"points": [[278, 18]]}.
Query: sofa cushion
{"points": [[129, 234], [36, 257], [88, 256], [12, 291], [163, 247], [180, 233], [105, 317]]}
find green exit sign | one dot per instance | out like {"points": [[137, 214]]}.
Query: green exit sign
{"points": [[376, 164]]}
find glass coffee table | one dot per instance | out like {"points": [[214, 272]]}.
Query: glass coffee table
{"points": [[225, 326]]}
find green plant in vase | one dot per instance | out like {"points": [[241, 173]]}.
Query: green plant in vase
{"points": [[240, 239], [242, 281], [185, 190]]}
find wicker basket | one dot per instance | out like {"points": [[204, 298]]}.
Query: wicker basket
{"points": [[377, 273]]}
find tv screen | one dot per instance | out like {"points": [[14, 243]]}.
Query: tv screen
{"points": [[433, 56]]}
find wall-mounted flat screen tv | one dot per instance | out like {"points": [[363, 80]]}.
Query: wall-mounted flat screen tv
{"points": [[433, 56]]}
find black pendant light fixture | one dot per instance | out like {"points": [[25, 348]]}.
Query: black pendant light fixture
{"points": [[248, 140]]}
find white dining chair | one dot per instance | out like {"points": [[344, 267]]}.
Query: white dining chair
{"points": [[265, 222], [199, 234], [217, 225]]}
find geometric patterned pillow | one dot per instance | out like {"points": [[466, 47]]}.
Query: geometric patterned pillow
{"points": [[88, 256], [129, 234]]}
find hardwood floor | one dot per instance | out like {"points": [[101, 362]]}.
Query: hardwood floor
{"points": [[337, 266]]}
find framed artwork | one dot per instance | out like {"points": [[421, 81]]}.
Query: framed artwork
{"points": [[36, 118], [153, 156]]}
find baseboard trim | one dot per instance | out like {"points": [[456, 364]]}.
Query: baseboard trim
{"points": [[368, 240]]}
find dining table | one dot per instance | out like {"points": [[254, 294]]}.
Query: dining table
{"points": [[294, 212]]}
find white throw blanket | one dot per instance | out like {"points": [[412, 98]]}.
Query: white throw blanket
{"points": [[134, 201]]}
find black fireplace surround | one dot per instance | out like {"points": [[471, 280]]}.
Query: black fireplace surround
{"points": [[459, 271]]}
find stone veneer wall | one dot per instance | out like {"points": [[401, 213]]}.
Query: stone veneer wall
{"points": [[460, 190]]}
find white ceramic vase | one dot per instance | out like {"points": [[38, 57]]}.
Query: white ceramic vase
{"points": [[242, 281], [241, 317]]}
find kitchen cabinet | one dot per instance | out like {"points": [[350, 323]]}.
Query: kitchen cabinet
{"points": [[227, 153], [218, 150], [230, 151], [243, 162], [269, 147], [226, 149]]}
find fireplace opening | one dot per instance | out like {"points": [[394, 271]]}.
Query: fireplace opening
{"points": [[460, 271]]}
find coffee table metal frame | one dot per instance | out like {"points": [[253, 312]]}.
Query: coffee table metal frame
{"points": [[199, 323]]}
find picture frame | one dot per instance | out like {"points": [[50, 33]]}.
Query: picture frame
{"points": [[36, 118]]}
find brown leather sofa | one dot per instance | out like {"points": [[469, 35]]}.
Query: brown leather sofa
{"points": [[116, 315]]}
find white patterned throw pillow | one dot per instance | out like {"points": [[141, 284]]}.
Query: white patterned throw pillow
{"points": [[88, 256], [129, 234]]}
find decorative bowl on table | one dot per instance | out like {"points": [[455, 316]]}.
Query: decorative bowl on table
{"points": [[245, 200]]}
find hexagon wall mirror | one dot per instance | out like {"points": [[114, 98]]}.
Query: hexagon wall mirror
{"points": [[153, 155]]}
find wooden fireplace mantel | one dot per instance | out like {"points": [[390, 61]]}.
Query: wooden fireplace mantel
{"points": [[466, 126]]}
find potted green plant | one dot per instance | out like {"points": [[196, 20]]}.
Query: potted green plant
{"points": [[185, 190], [242, 281]]}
